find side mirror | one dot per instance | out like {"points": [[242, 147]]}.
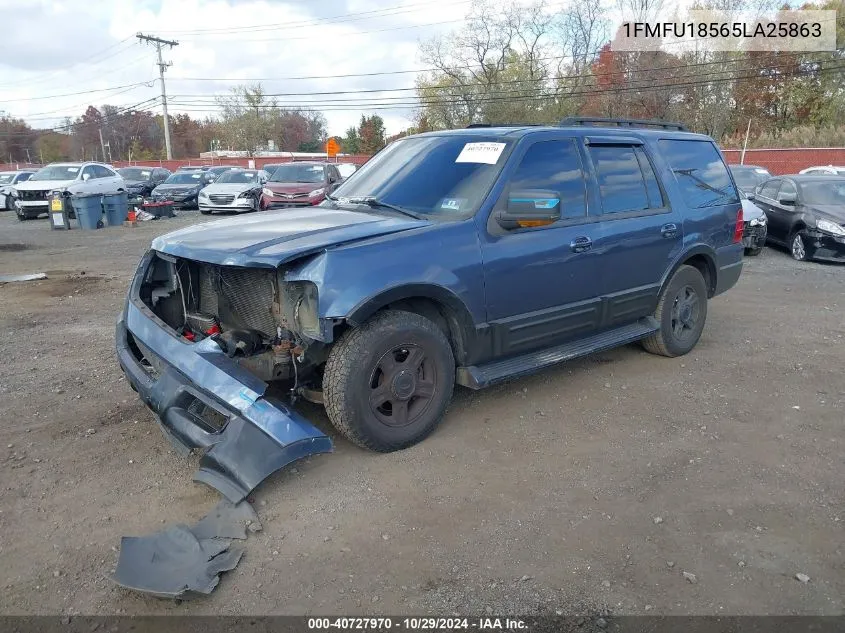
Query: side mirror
{"points": [[86, 176], [751, 195], [787, 199], [529, 208]]}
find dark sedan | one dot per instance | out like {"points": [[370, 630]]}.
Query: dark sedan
{"points": [[806, 214], [140, 181], [749, 177], [182, 189]]}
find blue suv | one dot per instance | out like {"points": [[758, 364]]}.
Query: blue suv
{"points": [[462, 257]]}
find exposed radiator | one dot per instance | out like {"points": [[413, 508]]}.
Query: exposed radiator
{"points": [[248, 292]]}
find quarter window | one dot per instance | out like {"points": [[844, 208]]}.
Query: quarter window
{"points": [[626, 179], [554, 166], [701, 173]]}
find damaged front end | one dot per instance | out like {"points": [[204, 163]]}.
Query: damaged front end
{"points": [[200, 343]]}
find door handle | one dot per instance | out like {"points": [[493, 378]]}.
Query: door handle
{"points": [[581, 244], [669, 230]]}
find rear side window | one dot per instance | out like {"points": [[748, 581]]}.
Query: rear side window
{"points": [[770, 189], [626, 179], [554, 166], [701, 173]]}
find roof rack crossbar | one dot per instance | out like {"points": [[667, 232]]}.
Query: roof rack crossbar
{"points": [[609, 122]]}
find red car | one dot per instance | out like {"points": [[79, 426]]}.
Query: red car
{"points": [[299, 184]]}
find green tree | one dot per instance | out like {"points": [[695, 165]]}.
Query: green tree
{"points": [[351, 142], [371, 134]]}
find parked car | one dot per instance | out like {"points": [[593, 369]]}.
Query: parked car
{"points": [[270, 168], [748, 177], [181, 188], [235, 190], [140, 181], [829, 170], [299, 184], [463, 256], [8, 179], [754, 225], [214, 172], [32, 196], [346, 169], [806, 214]]}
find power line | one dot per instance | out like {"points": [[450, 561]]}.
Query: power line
{"points": [[73, 94], [336, 19]]}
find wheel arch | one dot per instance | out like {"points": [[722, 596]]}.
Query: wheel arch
{"points": [[701, 257], [440, 305]]}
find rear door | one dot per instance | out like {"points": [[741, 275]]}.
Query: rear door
{"points": [[638, 233], [766, 199]]}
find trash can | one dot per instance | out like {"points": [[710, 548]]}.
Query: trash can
{"points": [[116, 206], [89, 211]]}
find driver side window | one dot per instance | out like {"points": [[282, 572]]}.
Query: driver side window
{"points": [[89, 171], [770, 189], [554, 166]]}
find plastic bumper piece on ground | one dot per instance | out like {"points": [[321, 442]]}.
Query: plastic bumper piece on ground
{"points": [[257, 435]]}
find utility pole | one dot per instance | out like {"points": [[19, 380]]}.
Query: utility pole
{"points": [[102, 145], [161, 68], [745, 144]]}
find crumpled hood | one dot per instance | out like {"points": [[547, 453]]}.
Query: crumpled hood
{"points": [[43, 185], [833, 212], [174, 188], [230, 188], [269, 238]]}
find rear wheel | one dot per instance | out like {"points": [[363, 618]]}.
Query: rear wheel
{"points": [[753, 252], [387, 383], [681, 313]]}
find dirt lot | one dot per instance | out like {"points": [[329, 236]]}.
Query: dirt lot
{"points": [[591, 486]]}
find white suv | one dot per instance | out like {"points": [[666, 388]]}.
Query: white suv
{"points": [[830, 170], [32, 197]]}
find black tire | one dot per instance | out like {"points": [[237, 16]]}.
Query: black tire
{"points": [[798, 247], [10, 206], [681, 312], [23, 217], [411, 349], [753, 252]]}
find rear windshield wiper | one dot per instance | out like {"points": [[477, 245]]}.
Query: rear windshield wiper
{"points": [[374, 202]]}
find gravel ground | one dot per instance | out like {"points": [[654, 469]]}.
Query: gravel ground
{"points": [[624, 483]]}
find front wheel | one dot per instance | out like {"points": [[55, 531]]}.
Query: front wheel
{"points": [[798, 247], [681, 313], [387, 383]]}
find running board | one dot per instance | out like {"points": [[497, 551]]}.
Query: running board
{"points": [[478, 377]]}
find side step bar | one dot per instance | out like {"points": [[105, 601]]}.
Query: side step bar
{"points": [[478, 377]]}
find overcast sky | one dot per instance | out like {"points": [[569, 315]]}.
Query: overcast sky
{"points": [[88, 47]]}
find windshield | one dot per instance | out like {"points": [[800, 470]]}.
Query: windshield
{"points": [[6, 179], [238, 176], [830, 192], [57, 172], [219, 170], [185, 178], [442, 175], [748, 178], [299, 173], [135, 173]]}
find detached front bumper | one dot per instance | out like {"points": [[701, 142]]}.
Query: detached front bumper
{"points": [[204, 401]]}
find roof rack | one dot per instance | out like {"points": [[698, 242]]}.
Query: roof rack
{"points": [[471, 125], [604, 122]]}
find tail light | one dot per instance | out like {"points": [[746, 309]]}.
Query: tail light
{"points": [[738, 228]]}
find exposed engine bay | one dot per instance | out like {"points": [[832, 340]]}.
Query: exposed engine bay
{"points": [[257, 318]]}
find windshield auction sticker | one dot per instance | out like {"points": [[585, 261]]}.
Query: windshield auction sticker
{"points": [[712, 30], [486, 153]]}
